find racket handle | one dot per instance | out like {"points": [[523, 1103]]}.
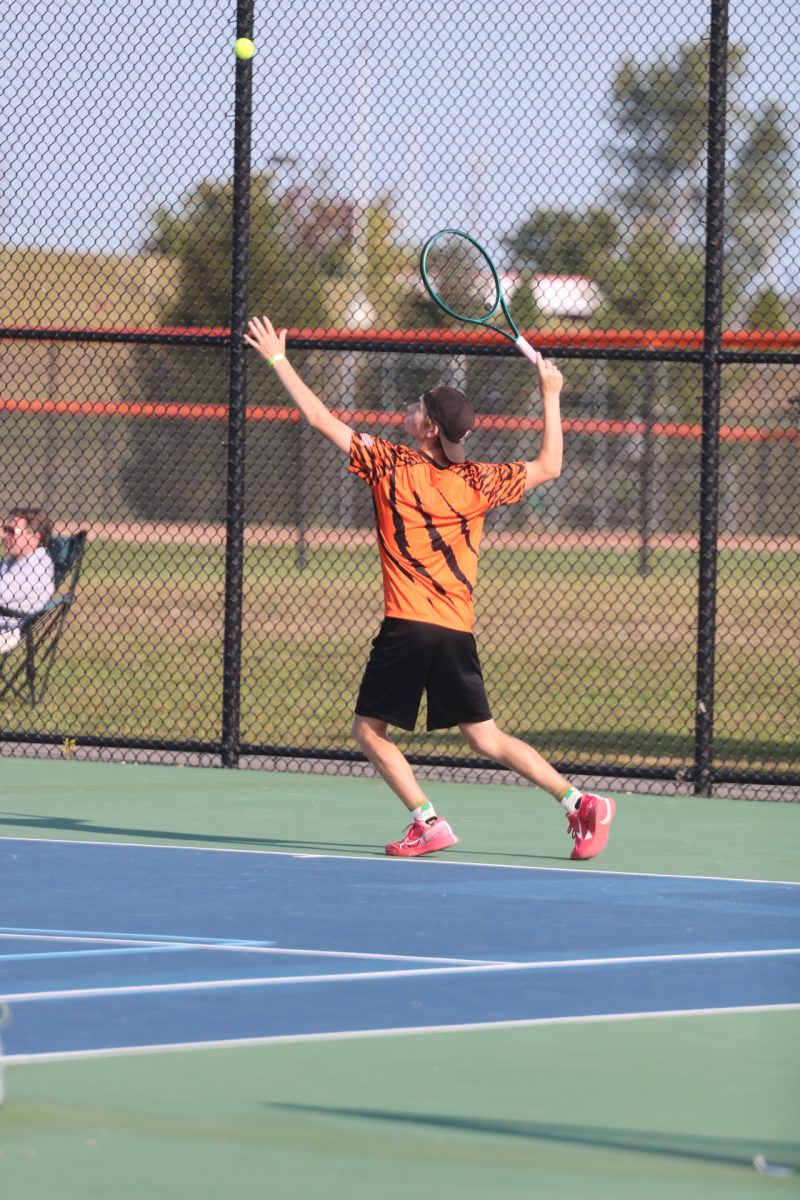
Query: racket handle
{"points": [[527, 349]]}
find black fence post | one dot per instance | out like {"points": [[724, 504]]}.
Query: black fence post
{"points": [[646, 468], [709, 450], [302, 500], [237, 396]]}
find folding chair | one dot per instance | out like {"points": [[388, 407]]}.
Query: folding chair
{"points": [[25, 670]]}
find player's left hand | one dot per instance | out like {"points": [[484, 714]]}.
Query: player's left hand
{"points": [[264, 338]]}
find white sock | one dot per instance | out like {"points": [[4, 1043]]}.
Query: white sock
{"points": [[425, 812], [571, 800]]}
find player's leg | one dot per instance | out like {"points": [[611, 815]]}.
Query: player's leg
{"points": [[489, 741], [427, 832], [388, 760], [390, 694], [589, 817]]}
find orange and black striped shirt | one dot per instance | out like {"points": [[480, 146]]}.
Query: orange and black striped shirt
{"points": [[429, 521]]}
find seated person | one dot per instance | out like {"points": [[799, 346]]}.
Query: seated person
{"points": [[26, 573]]}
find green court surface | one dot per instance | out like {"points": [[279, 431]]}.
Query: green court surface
{"points": [[300, 812], [644, 1107]]}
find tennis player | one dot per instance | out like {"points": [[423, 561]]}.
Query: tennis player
{"points": [[430, 502]]}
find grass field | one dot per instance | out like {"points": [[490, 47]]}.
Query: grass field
{"points": [[582, 654]]}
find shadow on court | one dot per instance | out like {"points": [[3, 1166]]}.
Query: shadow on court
{"points": [[77, 825], [734, 1152]]}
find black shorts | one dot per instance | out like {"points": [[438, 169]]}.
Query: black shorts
{"points": [[412, 657]]}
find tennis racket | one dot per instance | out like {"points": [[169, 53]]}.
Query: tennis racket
{"points": [[462, 280]]}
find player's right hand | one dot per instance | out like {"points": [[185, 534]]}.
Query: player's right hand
{"points": [[550, 378]]}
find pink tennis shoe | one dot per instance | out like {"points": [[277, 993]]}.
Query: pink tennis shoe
{"points": [[423, 838], [589, 826]]}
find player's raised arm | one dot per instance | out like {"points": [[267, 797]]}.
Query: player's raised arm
{"points": [[548, 464], [271, 345]]}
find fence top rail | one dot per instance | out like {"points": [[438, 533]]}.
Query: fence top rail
{"points": [[745, 340]]}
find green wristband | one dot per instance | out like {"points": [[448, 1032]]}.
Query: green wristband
{"points": [[276, 358]]}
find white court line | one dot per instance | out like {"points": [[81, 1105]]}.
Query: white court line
{"points": [[404, 1031], [360, 976], [166, 941], [102, 952], [25, 935], [409, 863], [21, 933]]}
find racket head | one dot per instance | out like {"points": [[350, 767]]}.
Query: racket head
{"points": [[460, 277]]}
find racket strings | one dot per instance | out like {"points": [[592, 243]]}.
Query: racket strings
{"points": [[462, 277]]}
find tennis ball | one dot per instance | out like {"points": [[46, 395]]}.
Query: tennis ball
{"points": [[243, 48]]}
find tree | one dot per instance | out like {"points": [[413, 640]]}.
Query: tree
{"points": [[199, 235], [176, 468], [563, 241], [659, 112], [373, 268], [657, 283], [762, 196], [768, 312], [652, 281]]}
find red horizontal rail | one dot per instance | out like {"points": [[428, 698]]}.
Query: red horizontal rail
{"points": [[219, 412], [752, 340], [563, 339]]}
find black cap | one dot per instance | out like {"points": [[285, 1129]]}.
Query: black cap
{"points": [[452, 412]]}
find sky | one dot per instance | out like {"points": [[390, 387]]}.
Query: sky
{"points": [[470, 114]]}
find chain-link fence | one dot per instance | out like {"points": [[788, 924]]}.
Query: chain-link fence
{"points": [[633, 169]]}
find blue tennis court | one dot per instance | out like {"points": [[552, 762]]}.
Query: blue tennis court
{"points": [[208, 976], [110, 947]]}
